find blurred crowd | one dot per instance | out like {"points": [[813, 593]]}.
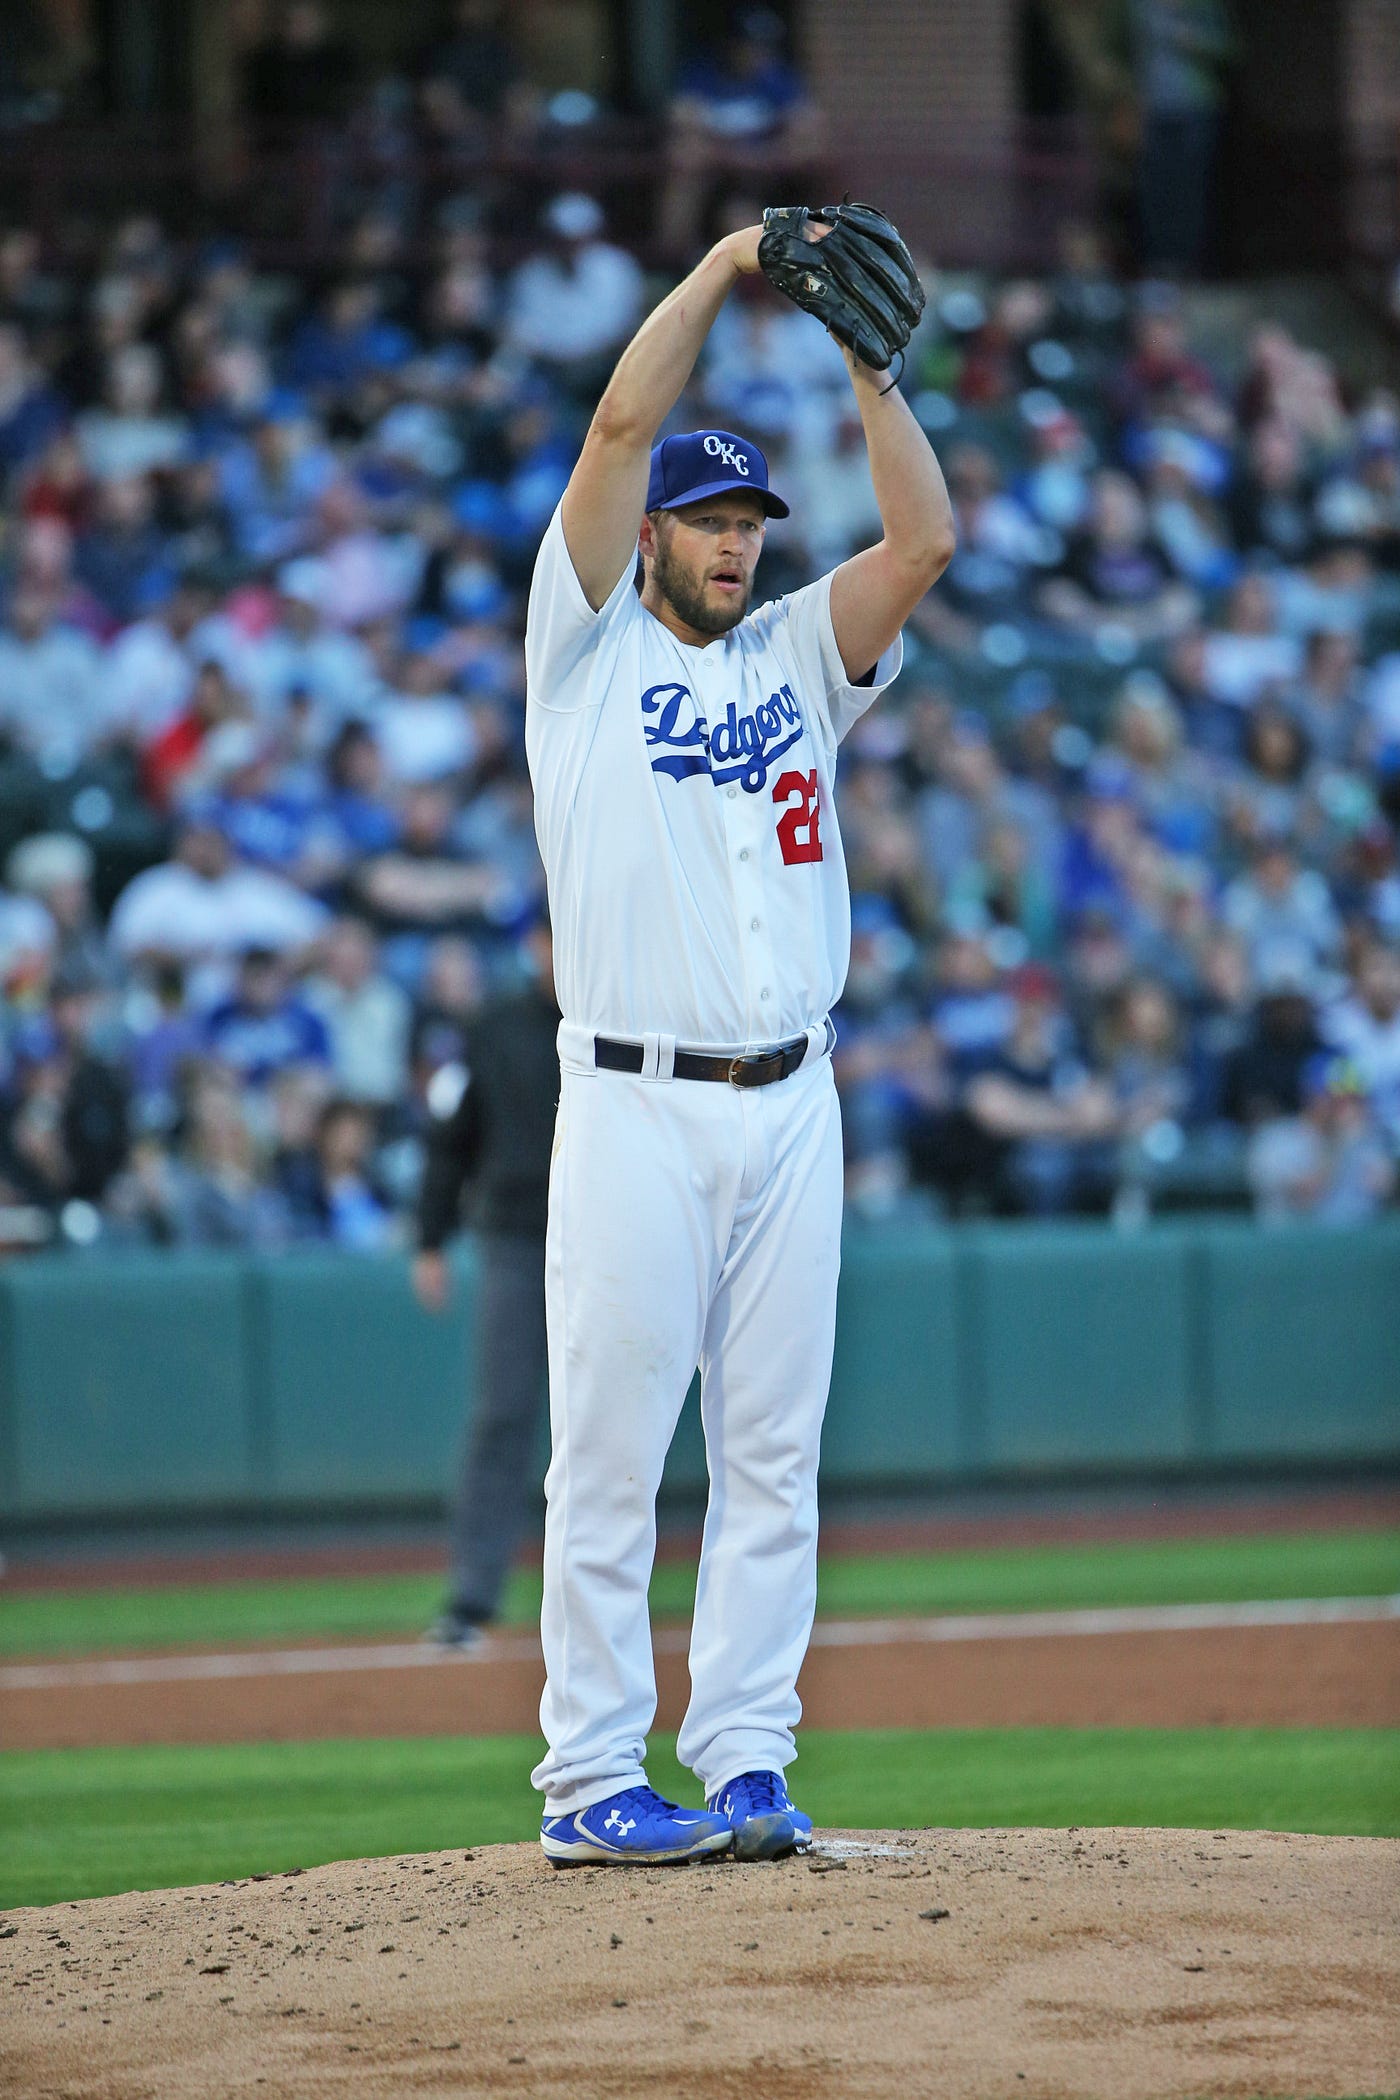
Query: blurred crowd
{"points": [[1122, 839]]}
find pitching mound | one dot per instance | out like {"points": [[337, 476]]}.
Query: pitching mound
{"points": [[1113, 1965]]}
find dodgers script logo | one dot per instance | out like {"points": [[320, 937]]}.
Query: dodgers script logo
{"points": [[720, 448], [737, 747]]}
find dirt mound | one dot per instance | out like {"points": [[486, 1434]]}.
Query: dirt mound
{"points": [[1113, 1965]]}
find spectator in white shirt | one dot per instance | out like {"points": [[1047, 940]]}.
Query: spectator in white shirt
{"points": [[575, 302], [1327, 1165], [832, 495], [50, 691], [424, 732], [1280, 908], [1248, 652], [203, 905], [368, 574], [300, 653], [149, 671], [762, 370], [128, 436]]}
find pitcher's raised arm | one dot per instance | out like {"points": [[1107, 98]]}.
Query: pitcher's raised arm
{"points": [[602, 508]]}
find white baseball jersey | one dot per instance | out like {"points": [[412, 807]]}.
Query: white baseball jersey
{"points": [[683, 802]]}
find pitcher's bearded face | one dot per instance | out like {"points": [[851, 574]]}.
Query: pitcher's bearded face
{"points": [[702, 559]]}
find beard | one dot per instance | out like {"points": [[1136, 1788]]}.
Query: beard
{"points": [[686, 598]]}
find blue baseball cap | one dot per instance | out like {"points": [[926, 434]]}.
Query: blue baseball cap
{"points": [[699, 463]]}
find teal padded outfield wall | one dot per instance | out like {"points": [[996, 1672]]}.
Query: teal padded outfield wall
{"points": [[178, 1384]]}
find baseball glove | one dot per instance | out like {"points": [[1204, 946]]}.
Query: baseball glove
{"points": [[859, 280]]}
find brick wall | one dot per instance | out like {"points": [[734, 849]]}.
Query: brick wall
{"points": [[921, 99]]}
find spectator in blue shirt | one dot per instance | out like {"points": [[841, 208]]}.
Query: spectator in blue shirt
{"points": [[274, 816], [123, 557], [357, 804], [332, 1192], [264, 1027], [31, 413], [347, 341]]}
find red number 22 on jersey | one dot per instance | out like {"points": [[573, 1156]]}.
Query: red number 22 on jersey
{"points": [[798, 828]]}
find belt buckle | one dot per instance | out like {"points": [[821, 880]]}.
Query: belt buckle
{"points": [[747, 1071]]}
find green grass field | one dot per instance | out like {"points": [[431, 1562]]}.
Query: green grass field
{"points": [[91, 1822], [1039, 1578]]}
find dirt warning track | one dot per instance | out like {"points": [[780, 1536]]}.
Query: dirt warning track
{"points": [[1332, 1662]]}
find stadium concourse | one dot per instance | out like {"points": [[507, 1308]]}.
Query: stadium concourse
{"points": [[1122, 840]]}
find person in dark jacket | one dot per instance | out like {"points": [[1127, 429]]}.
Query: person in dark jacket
{"points": [[1263, 1077], [493, 1131], [64, 1110]]}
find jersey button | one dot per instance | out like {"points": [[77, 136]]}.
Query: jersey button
{"points": [[764, 994], [731, 792], [753, 925], [743, 853]]}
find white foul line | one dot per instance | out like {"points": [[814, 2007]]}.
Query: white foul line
{"points": [[675, 1640]]}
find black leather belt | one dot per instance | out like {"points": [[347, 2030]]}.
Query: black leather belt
{"points": [[751, 1068]]}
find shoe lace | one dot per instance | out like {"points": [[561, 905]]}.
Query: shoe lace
{"points": [[760, 1791], [645, 1800]]}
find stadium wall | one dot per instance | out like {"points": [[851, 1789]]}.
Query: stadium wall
{"points": [[175, 1385]]}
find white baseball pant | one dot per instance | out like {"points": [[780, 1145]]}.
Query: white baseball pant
{"points": [[689, 1222]]}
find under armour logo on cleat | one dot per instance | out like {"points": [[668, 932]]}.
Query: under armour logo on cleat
{"points": [[614, 1821]]}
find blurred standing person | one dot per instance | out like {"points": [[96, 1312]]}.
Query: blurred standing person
{"points": [[1181, 50], [493, 1127]]}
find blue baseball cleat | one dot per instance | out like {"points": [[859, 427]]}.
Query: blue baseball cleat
{"points": [[760, 1813], [635, 1828]]}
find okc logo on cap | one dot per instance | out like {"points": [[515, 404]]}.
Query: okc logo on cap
{"points": [[721, 448], [700, 463]]}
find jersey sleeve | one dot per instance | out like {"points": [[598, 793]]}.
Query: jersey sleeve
{"points": [[562, 630], [801, 627]]}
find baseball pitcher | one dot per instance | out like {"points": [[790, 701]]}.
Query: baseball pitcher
{"points": [[683, 747]]}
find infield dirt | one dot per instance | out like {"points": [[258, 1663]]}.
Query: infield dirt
{"points": [[971, 1965]]}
